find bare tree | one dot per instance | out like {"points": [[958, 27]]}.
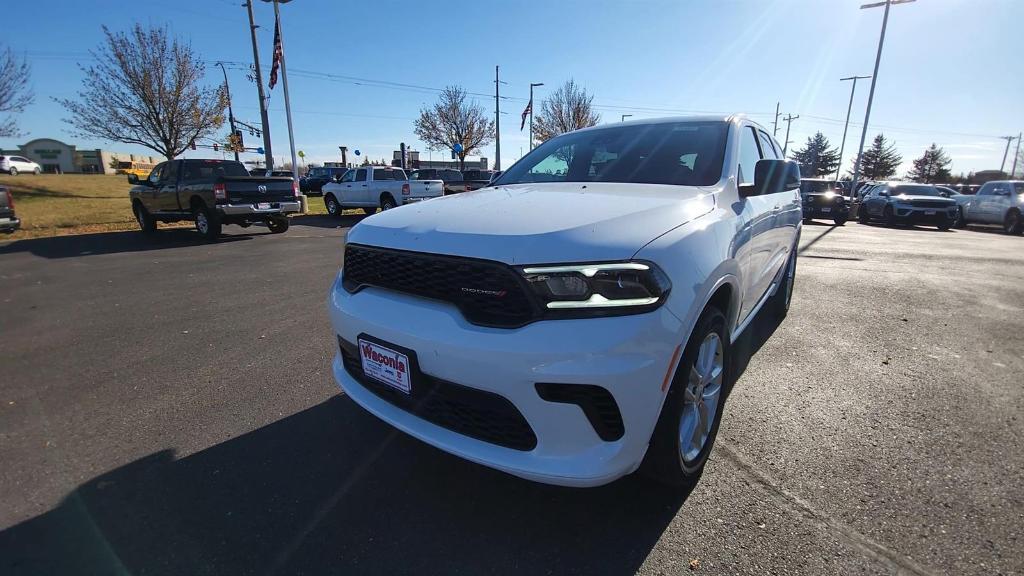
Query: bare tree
{"points": [[454, 121], [146, 90], [15, 94], [568, 108]]}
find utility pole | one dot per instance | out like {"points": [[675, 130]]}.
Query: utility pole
{"points": [[775, 125], [531, 111], [1016, 154], [268, 154], [789, 120], [1008, 139], [231, 115], [624, 116], [849, 108], [874, 80], [497, 120]]}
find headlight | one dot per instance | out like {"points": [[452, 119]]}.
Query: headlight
{"points": [[598, 289]]}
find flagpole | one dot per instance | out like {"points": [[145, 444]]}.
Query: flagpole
{"points": [[287, 100], [532, 84]]}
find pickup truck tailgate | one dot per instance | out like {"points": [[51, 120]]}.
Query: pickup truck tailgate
{"points": [[244, 190], [423, 189]]}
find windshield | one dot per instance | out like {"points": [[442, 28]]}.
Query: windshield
{"points": [[911, 190], [809, 186], [679, 153]]}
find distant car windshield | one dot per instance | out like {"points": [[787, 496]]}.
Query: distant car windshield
{"points": [[679, 153], [808, 186], [915, 190]]}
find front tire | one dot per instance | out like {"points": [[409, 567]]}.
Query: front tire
{"points": [[146, 221], [1012, 223], [36, 171], [780, 301], [333, 208], [960, 221], [889, 216], [207, 223], [13, 171], [862, 215], [278, 225], [944, 225], [840, 220], [688, 425]]}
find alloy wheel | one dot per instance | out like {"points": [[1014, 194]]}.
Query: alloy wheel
{"points": [[202, 224], [701, 398]]}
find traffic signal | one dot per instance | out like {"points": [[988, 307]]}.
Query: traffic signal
{"points": [[216, 147], [239, 144], [193, 144]]}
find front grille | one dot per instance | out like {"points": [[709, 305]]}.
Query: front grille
{"points": [[930, 204], [487, 293], [597, 403], [469, 411]]}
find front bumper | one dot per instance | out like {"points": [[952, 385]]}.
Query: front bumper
{"points": [[9, 224], [915, 215], [250, 209], [829, 212], [626, 355]]}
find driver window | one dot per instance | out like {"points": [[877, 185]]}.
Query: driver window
{"points": [[348, 176], [749, 156], [154, 176]]}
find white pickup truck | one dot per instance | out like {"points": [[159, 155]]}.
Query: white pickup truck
{"points": [[372, 187]]}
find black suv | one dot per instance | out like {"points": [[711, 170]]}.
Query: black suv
{"points": [[313, 182], [824, 199]]}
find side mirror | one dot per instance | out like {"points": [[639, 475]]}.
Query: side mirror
{"points": [[133, 178], [772, 176]]}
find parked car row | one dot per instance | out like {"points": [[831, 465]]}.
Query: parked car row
{"points": [[372, 187]]}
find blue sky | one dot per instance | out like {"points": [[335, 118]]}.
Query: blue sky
{"points": [[950, 72]]}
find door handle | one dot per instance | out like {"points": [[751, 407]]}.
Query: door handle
{"points": [[364, 185]]}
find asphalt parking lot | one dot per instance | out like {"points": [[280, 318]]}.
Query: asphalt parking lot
{"points": [[166, 407]]}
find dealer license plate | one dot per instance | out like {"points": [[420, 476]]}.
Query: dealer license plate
{"points": [[386, 365], [826, 210], [929, 212], [263, 206]]}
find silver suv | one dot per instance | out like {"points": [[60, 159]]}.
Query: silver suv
{"points": [[997, 202]]}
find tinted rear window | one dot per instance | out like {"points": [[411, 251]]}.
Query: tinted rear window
{"points": [[679, 153], [815, 186], [213, 169], [388, 174]]}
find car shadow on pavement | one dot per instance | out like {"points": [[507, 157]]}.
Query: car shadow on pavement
{"points": [[325, 221], [114, 242], [332, 489]]}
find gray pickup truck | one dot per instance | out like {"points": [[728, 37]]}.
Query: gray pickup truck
{"points": [[211, 193], [8, 221]]}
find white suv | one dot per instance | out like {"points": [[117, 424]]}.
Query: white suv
{"points": [[14, 165], [574, 320]]}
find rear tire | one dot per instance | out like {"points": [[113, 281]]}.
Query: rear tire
{"points": [[333, 208], [1012, 223], [688, 425], [207, 222], [146, 221], [13, 171], [387, 203], [278, 225]]}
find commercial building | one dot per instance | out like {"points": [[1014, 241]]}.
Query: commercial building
{"points": [[416, 162], [57, 157]]}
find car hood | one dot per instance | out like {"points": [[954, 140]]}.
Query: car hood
{"points": [[538, 223]]}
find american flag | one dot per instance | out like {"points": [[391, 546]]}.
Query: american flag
{"points": [[278, 53], [526, 112]]}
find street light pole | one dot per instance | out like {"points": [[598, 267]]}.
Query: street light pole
{"points": [[849, 108], [624, 116], [1009, 140], [231, 115], [531, 111], [268, 154], [1016, 154], [874, 80], [497, 120]]}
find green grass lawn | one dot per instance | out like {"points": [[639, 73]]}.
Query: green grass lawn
{"points": [[56, 204]]}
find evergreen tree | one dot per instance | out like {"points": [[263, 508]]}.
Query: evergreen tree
{"points": [[931, 167], [816, 158], [880, 161]]}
